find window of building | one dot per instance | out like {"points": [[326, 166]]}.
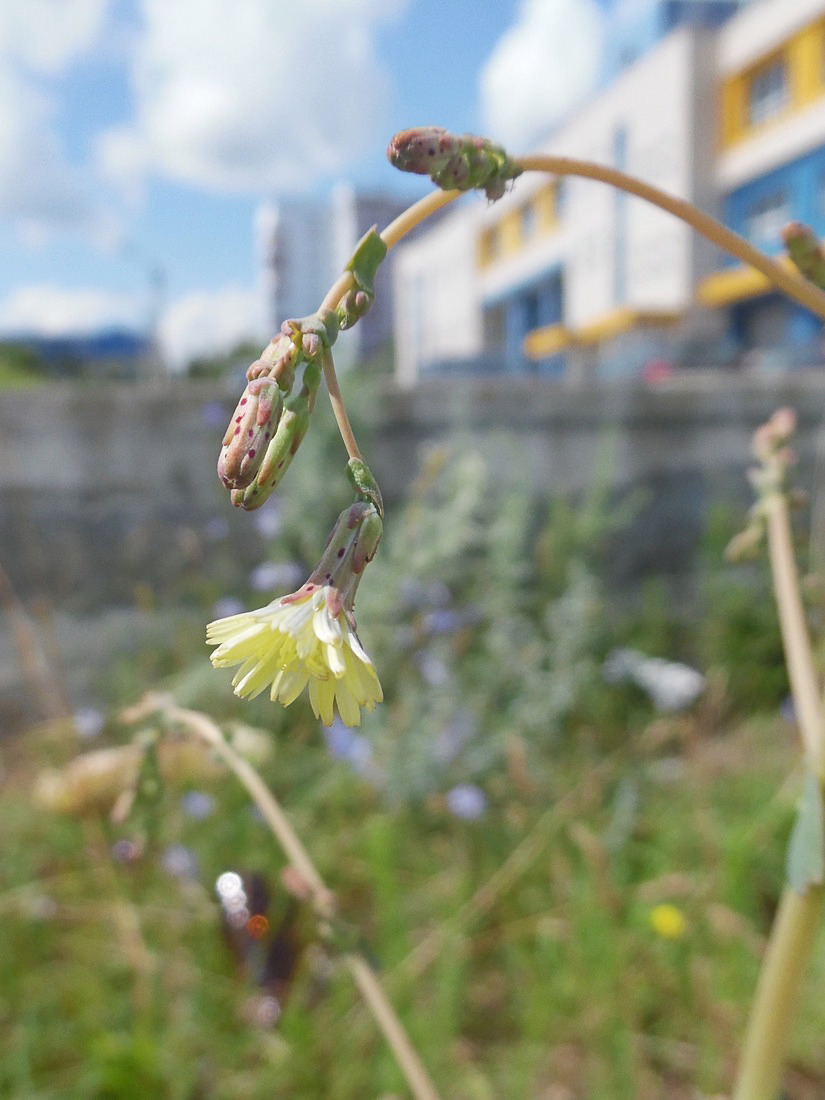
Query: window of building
{"points": [[768, 216], [767, 92], [530, 310], [529, 221]]}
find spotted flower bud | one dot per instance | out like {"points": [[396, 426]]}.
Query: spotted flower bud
{"points": [[283, 446], [253, 424], [459, 162]]}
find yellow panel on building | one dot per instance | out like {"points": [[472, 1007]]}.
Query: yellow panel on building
{"points": [[734, 96], [545, 202], [806, 57], [510, 232], [620, 320], [736, 284], [549, 340]]}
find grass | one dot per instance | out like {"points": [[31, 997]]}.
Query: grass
{"points": [[517, 948]]}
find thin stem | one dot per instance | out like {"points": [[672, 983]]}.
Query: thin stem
{"points": [[408, 220], [338, 407], [408, 1060], [799, 915], [794, 285], [337, 291], [795, 639], [792, 939], [414, 215], [405, 222]]}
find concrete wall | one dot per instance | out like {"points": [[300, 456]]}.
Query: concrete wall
{"points": [[112, 521], [106, 489]]}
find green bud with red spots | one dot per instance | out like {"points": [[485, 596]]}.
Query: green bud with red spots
{"points": [[454, 162]]}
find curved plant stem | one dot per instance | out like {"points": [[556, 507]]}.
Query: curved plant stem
{"points": [[370, 988], [793, 285], [407, 221], [792, 938], [795, 639], [414, 215]]}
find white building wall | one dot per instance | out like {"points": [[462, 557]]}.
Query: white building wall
{"points": [[754, 32], [652, 104], [435, 293]]}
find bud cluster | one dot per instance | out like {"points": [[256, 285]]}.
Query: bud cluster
{"points": [[268, 425], [770, 446], [459, 162]]}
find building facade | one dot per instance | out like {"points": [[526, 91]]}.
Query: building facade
{"points": [[303, 245], [722, 106]]}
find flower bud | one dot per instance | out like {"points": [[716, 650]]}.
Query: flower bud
{"points": [[253, 424], [453, 161]]}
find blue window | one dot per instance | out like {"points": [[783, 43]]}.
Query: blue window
{"points": [[767, 92], [768, 216]]}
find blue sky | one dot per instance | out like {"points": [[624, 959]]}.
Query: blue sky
{"points": [[139, 136]]}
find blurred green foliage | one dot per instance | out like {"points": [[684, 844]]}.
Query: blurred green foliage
{"points": [[512, 929]]}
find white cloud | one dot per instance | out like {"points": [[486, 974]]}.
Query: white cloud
{"points": [[540, 68], [47, 34], [49, 310], [206, 323], [40, 189], [252, 96]]}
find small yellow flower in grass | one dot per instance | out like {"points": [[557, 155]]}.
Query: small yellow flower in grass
{"points": [[668, 921], [308, 639]]}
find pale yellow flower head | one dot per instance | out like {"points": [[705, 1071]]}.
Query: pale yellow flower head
{"points": [[301, 640], [308, 639]]}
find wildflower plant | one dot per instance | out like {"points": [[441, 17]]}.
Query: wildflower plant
{"points": [[307, 639], [536, 664]]}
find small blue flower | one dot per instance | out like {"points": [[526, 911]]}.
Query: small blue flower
{"points": [[214, 414], [434, 671], [442, 621], [179, 862], [89, 722], [198, 805], [226, 606], [216, 529], [467, 802], [344, 744], [268, 522]]}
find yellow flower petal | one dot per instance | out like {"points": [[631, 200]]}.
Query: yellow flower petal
{"points": [[297, 644]]}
